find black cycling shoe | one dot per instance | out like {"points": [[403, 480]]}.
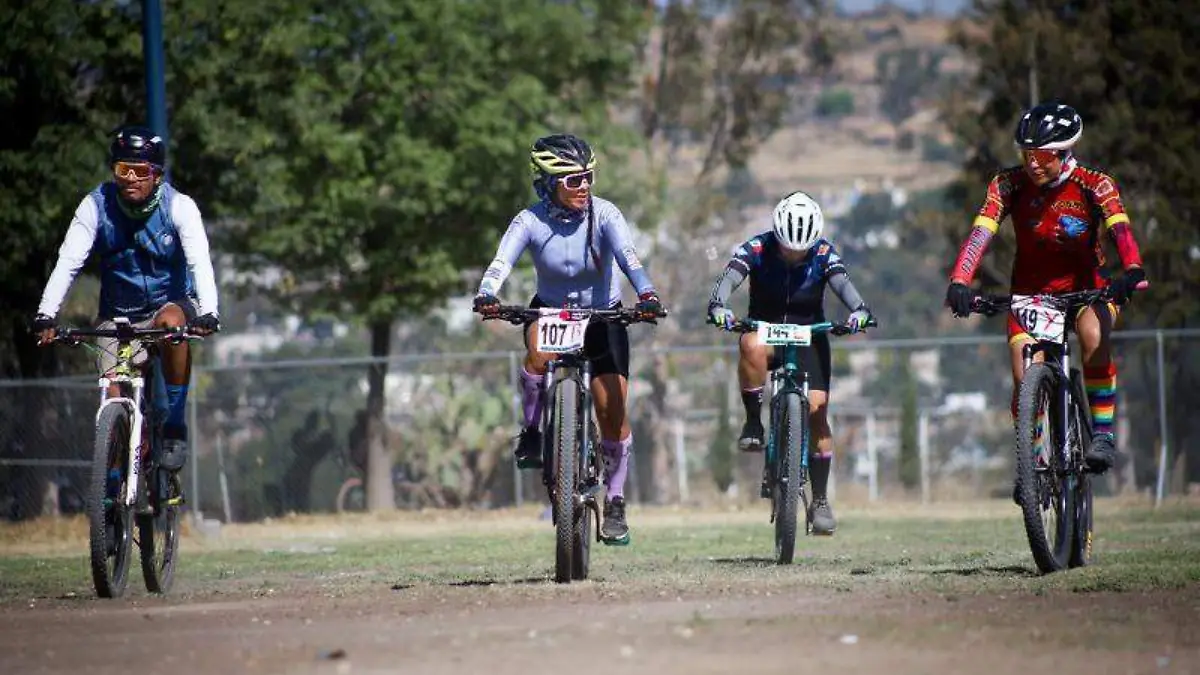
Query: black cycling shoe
{"points": [[529, 448], [614, 531], [1102, 455], [751, 439]]}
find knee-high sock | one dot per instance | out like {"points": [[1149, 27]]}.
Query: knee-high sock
{"points": [[616, 465]]}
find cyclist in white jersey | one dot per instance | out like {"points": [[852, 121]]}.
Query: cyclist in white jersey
{"points": [[577, 242]]}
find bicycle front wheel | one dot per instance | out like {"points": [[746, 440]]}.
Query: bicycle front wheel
{"points": [[1081, 554], [109, 519], [789, 475], [1044, 488], [158, 535], [566, 450], [587, 469]]}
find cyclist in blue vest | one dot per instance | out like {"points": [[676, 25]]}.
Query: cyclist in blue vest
{"points": [[155, 267], [577, 241], [789, 267]]}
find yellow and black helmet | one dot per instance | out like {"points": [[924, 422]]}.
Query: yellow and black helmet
{"points": [[561, 154]]}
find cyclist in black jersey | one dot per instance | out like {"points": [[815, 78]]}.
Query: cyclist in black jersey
{"points": [[789, 267]]}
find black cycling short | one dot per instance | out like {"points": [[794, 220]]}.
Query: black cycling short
{"points": [[814, 359], [606, 345]]}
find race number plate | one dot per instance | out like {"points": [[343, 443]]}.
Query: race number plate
{"points": [[1039, 320], [556, 335], [784, 334]]}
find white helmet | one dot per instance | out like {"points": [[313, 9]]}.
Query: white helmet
{"points": [[798, 221]]}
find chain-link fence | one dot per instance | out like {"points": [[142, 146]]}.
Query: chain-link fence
{"points": [[911, 419]]}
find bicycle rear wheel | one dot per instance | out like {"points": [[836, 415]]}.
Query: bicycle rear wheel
{"points": [[1046, 493], [158, 536], [566, 450], [788, 476], [109, 520]]}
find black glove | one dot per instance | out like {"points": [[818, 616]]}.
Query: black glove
{"points": [[959, 299], [648, 304], [205, 324], [1123, 288], [486, 303], [44, 327], [42, 323]]}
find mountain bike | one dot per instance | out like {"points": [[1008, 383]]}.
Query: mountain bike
{"points": [[127, 484], [1053, 428], [572, 468], [785, 460]]}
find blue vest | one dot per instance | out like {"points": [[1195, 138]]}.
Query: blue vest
{"points": [[142, 266]]}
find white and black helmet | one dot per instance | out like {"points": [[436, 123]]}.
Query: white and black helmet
{"points": [[798, 221], [1048, 126]]}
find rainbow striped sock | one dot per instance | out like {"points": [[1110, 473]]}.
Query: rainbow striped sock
{"points": [[1101, 385]]}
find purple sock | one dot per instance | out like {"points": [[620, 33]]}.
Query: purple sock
{"points": [[616, 465], [531, 397]]}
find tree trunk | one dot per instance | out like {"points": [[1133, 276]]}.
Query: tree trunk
{"points": [[380, 495]]}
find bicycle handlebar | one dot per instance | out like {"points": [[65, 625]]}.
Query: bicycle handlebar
{"points": [[750, 326], [990, 305], [178, 334], [517, 314]]}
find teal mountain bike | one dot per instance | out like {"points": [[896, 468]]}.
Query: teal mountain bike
{"points": [[785, 460]]}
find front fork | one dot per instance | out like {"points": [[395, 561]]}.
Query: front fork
{"points": [[133, 405]]}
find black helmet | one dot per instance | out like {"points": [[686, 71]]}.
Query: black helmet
{"points": [[1048, 126], [137, 144], [561, 154]]}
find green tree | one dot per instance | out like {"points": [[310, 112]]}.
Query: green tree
{"points": [[1129, 67], [67, 73], [906, 74], [371, 150], [835, 103]]}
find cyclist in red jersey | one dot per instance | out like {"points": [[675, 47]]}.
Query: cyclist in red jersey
{"points": [[1059, 210]]}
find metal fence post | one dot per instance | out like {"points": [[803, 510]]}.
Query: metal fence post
{"points": [[681, 460], [923, 453], [1161, 486], [873, 458]]}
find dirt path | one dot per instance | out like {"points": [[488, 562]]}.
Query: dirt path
{"points": [[539, 628]]}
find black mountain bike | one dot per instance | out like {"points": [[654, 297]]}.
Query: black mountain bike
{"points": [[572, 468], [127, 485], [1054, 429], [785, 460]]}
